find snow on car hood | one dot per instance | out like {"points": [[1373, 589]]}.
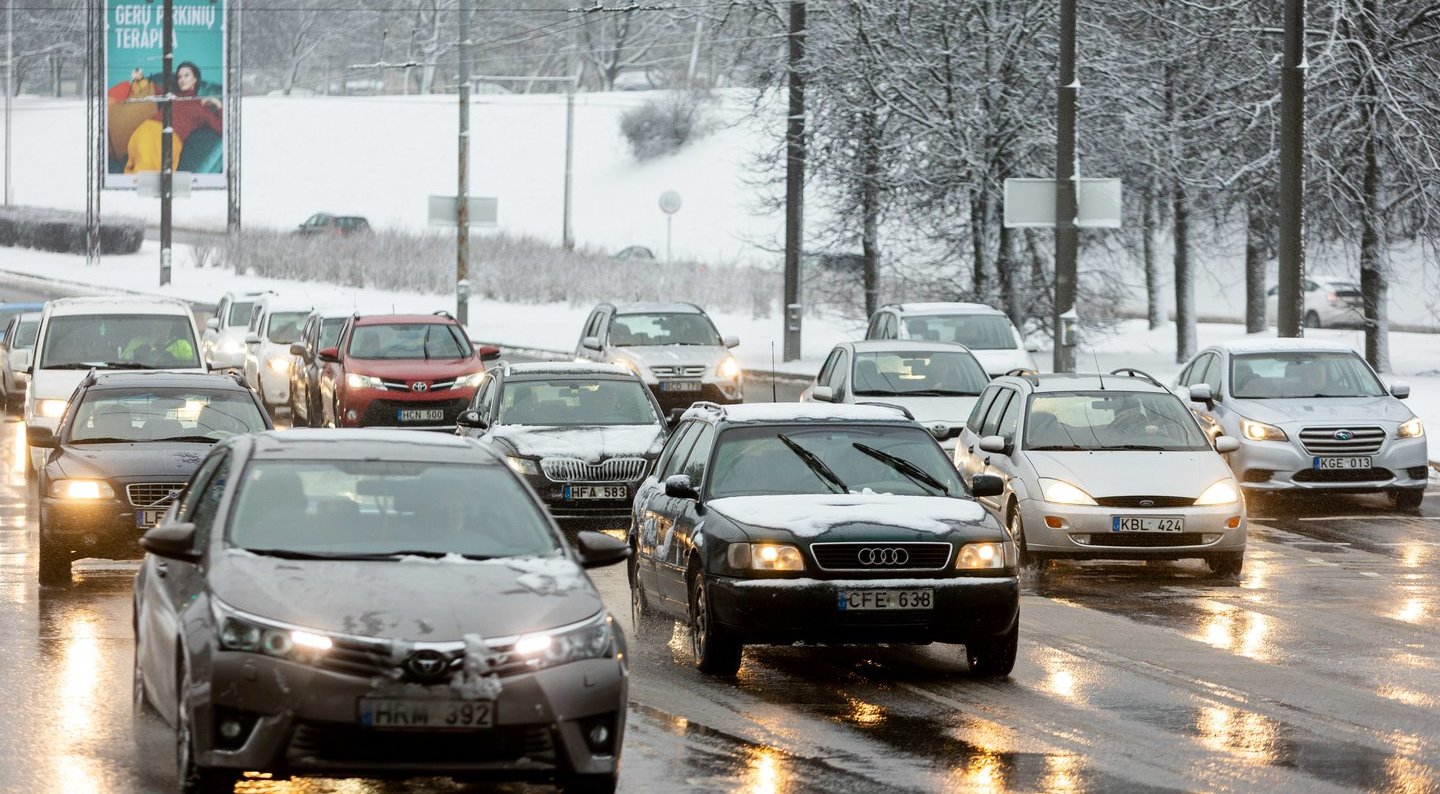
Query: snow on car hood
{"points": [[811, 515], [416, 599], [1330, 410], [1132, 473], [676, 355], [999, 362], [591, 444]]}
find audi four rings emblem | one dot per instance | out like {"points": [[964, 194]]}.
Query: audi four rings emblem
{"points": [[419, 386], [427, 664], [882, 556]]}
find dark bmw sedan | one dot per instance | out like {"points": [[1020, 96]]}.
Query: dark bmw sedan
{"points": [[774, 524], [122, 452], [376, 603]]}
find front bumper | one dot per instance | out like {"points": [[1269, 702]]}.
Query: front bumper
{"points": [[1087, 531], [219, 358], [381, 407], [784, 611], [303, 720], [274, 386], [722, 392], [92, 527], [1272, 466]]}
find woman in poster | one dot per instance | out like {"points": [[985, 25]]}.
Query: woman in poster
{"points": [[196, 120]]}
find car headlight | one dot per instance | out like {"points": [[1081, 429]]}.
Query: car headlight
{"points": [[356, 381], [1259, 431], [50, 409], [729, 369], [470, 381], [1223, 492], [1063, 493], [1411, 429], [278, 365], [590, 640], [81, 489], [764, 557], [248, 635], [233, 347], [526, 467], [988, 556]]}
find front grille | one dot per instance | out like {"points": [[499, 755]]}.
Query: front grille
{"points": [[153, 494], [679, 372], [1342, 475], [400, 385], [358, 657], [336, 742], [1362, 441], [1136, 501], [1145, 540], [881, 556], [382, 413], [576, 470]]}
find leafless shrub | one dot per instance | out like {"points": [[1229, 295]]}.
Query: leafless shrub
{"points": [[661, 126]]}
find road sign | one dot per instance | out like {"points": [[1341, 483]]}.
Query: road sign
{"points": [[1031, 203], [484, 211], [670, 202]]}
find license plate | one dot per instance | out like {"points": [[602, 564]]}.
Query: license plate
{"points": [[679, 385], [1147, 524], [426, 715], [420, 415], [1331, 464], [145, 519], [871, 600], [581, 492]]}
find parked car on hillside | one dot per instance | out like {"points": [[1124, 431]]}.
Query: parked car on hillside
{"points": [[17, 344], [323, 223], [1327, 303], [982, 329], [275, 324], [322, 329]]}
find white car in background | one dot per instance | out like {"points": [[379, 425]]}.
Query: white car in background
{"points": [[223, 344], [937, 382], [984, 330], [1328, 303], [275, 324], [18, 343]]}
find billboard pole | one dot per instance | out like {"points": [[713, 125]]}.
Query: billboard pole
{"points": [[234, 74], [96, 143], [167, 137], [9, 86], [462, 193]]}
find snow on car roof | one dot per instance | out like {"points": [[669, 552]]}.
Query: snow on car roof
{"points": [[806, 412], [808, 516], [948, 307], [567, 368], [903, 345], [1274, 345], [118, 304], [665, 308]]}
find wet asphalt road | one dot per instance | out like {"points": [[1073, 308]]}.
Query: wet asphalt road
{"points": [[1317, 671]]}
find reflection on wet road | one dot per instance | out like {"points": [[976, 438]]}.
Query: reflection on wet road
{"points": [[1317, 670]]}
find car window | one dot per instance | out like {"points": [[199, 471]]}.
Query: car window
{"points": [[892, 327], [1212, 374], [198, 482], [699, 455], [1184, 377], [158, 414], [977, 414], [408, 341], [257, 319], [330, 329], [1009, 419], [873, 331], [975, 331], [207, 507], [1302, 375], [991, 426], [484, 401], [25, 331], [678, 449], [284, 327], [576, 401], [663, 328], [149, 341], [839, 372], [1112, 419], [9, 329], [221, 310], [827, 368], [240, 313], [1201, 370], [920, 373], [592, 326]]}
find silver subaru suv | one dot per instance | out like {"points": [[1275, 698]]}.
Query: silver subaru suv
{"points": [[1310, 416]]}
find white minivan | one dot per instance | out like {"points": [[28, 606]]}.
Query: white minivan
{"points": [[275, 324], [103, 333]]}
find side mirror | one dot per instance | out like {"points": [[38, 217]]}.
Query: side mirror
{"points": [[590, 343], [986, 485], [1400, 390], [213, 323], [173, 541], [995, 444], [488, 352], [1200, 393], [1031, 347], [730, 341], [297, 349], [41, 437], [822, 394], [597, 549], [471, 419], [330, 354], [1224, 444], [680, 487], [252, 338]]}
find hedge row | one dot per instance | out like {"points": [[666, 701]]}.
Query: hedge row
{"points": [[63, 231]]}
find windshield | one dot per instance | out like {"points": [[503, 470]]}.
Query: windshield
{"points": [[408, 340], [330, 332], [1093, 420], [678, 328], [350, 507], [975, 331], [576, 402], [139, 414], [7, 312], [918, 374], [831, 459], [285, 327], [240, 313], [25, 335], [137, 341], [1302, 375]]}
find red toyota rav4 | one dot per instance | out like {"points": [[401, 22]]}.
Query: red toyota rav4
{"points": [[400, 370]]}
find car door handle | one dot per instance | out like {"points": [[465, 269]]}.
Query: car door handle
{"points": [[161, 569]]}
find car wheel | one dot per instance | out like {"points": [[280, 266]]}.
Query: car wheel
{"points": [[1407, 499], [146, 723], [1312, 320], [589, 784], [1226, 564], [716, 652], [1017, 531], [191, 778], [54, 564], [642, 615], [995, 657]]}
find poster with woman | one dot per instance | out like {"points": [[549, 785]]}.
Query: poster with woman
{"points": [[134, 69]]}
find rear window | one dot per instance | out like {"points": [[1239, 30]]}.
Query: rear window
{"points": [[975, 331], [119, 341], [25, 335], [408, 340], [572, 401]]}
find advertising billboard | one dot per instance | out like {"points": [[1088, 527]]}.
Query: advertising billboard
{"points": [[134, 69]]}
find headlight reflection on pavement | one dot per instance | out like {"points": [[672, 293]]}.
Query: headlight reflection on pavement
{"points": [[78, 769], [1239, 630], [1251, 736]]}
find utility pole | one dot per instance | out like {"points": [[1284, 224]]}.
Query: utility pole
{"points": [[1291, 236], [462, 193], [567, 232], [167, 138], [9, 90], [1067, 239], [795, 183]]}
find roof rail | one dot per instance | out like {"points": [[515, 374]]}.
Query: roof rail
{"points": [[902, 409], [706, 405], [89, 379], [239, 378], [1137, 373], [443, 313]]}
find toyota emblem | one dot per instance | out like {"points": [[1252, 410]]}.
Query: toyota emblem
{"points": [[419, 386], [1343, 435], [428, 664], [883, 556]]}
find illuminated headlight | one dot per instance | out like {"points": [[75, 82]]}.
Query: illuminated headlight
{"points": [[1221, 493], [729, 369], [470, 381], [985, 556], [591, 640], [278, 365], [81, 489], [1411, 429], [1259, 431], [232, 347], [526, 467], [1063, 493], [50, 409], [252, 636], [355, 381], [764, 557]]}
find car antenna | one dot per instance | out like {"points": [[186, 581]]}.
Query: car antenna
{"points": [[774, 390], [1098, 374]]}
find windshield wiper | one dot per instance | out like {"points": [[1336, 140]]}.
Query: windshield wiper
{"points": [[1142, 447], [292, 554], [103, 440], [1057, 448], [123, 365], [903, 466], [815, 463], [192, 439], [435, 554]]}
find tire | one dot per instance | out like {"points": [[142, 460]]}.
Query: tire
{"points": [[1312, 320], [295, 414], [146, 724], [589, 784], [716, 652], [1226, 564], [1016, 524], [54, 564], [190, 777], [995, 657], [1407, 499], [643, 617]]}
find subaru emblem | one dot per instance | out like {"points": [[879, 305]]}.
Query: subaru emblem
{"points": [[419, 386], [1343, 435]]}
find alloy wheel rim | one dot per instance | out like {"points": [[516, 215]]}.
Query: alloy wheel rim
{"points": [[698, 628]]}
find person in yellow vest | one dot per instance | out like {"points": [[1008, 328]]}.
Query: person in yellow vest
{"points": [[152, 347]]}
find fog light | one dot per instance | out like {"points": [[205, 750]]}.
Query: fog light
{"points": [[1083, 540], [1233, 523], [1211, 537], [1054, 522], [351, 415], [91, 540], [230, 729], [598, 737]]}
